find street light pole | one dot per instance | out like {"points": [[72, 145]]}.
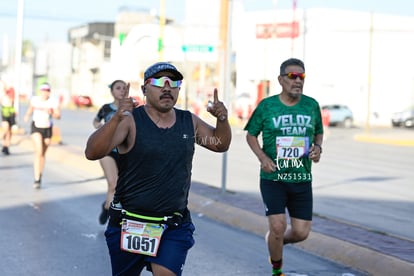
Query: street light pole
{"points": [[18, 53]]}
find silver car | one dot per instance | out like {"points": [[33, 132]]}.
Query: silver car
{"points": [[340, 115], [404, 118]]}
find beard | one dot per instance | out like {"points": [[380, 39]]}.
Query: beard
{"points": [[293, 95]]}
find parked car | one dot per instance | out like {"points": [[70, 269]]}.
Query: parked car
{"points": [[403, 118], [82, 101], [339, 115]]}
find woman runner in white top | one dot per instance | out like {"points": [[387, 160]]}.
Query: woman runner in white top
{"points": [[44, 108]]}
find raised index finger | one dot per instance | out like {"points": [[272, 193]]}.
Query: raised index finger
{"points": [[126, 95], [124, 103], [215, 96]]}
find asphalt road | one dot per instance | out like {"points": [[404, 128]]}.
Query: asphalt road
{"points": [[54, 231], [365, 184]]}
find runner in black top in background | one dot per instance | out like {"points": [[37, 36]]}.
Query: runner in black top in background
{"points": [[109, 163]]}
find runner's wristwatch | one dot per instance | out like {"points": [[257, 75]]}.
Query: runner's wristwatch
{"points": [[319, 146]]}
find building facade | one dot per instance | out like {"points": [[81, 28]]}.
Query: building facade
{"points": [[351, 57]]}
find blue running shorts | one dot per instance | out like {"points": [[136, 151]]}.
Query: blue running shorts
{"points": [[172, 252]]}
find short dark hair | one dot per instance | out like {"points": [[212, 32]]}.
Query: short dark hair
{"points": [[291, 61], [113, 83]]}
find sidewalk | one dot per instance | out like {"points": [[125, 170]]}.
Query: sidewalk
{"points": [[397, 137], [363, 249]]}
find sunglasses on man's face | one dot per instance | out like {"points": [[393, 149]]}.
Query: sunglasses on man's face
{"points": [[160, 82], [294, 75]]}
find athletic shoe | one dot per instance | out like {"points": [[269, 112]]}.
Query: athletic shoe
{"points": [[5, 150], [36, 184], [103, 217]]}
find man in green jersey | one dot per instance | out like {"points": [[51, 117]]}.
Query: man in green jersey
{"points": [[291, 127]]}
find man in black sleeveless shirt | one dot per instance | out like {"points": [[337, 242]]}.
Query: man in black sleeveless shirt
{"points": [[150, 225]]}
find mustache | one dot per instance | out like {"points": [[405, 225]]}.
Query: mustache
{"points": [[166, 96]]}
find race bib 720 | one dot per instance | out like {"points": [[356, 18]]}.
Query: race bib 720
{"points": [[291, 147]]}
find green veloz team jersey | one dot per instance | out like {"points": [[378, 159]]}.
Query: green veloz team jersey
{"points": [[287, 135]]}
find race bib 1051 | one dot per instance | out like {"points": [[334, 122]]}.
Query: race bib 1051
{"points": [[141, 237]]}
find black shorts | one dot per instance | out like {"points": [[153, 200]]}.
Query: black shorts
{"points": [[45, 132], [10, 119], [295, 197], [115, 155]]}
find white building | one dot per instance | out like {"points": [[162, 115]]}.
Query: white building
{"points": [[351, 57]]}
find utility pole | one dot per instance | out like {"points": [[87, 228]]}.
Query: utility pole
{"points": [[292, 47], [371, 35], [162, 27], [18, 54], [225, 58]]}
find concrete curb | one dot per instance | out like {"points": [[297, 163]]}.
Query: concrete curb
{"points": [[349, 254], [346, 253], [355, 256], [383, 140]]}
